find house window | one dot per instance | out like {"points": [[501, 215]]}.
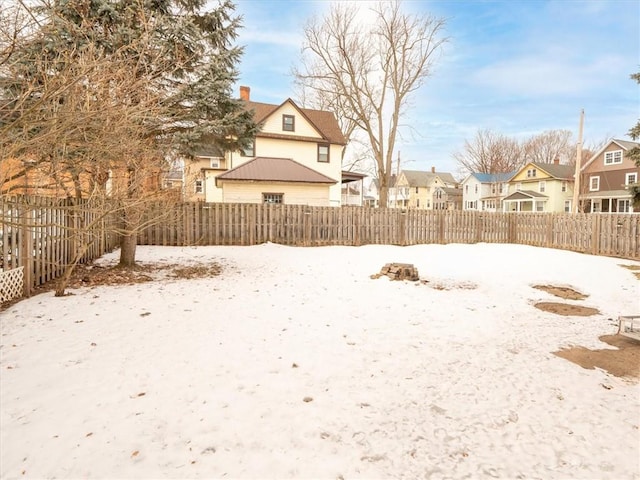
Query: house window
{"points": [[542, 186], [631, 178], [215, 162], [539, 206], [531, 173], [594, 183], [323, 153], [493, 188], [418, 202], [501, 187], [518, 187], [272, 197], [611, 158], [624, 206], [564, 186], [288, 123], [476, 189], [249, 150], [567, 206], [199, 186], [416, 189], [466, 189]]}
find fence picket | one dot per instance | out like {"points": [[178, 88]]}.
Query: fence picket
{"points": [[41, 234]]}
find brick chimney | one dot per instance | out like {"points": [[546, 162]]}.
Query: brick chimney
{"points": [[245, 93], [433, 169], [556, 161]]}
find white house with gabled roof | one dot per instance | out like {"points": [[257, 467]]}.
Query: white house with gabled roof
{"points": [[485, 191], [296, 158]]}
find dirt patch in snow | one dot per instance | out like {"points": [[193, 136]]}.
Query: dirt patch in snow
{"points": [[624, 361], [635, 269], [562, 292], [566, 309], [92, 275]]}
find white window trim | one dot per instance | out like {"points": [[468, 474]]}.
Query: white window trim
{"points": [[624, 206], [629, 175], [612, 154], [542, 186], [198, 186], [591, 179]]}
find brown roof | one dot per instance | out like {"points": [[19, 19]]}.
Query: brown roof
{"points": [[325, 122], [266, 169], [559, 171], [524, 194]]}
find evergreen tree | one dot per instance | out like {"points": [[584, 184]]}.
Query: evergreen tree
{"points": [[99, 86]]}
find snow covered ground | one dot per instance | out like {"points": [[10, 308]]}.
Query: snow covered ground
{"points": [[294, 363]]}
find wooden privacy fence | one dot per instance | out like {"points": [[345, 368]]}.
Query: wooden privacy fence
{"points": [[250, 224], [44, 234]]}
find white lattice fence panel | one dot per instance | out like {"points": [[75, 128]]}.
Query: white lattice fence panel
{"points": [[11, 284]]}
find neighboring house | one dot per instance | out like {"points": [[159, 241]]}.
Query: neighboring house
{"points": [[173, 181], [415, 188], [485, 191], [605, 179], [540, 187], [447, 198], [294, 159], [371, 195]]}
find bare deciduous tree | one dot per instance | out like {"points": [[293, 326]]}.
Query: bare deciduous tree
{"points": [[366, 73], [489, 152], [550, 145]]}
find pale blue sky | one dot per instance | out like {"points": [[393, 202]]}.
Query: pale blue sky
{"points": [[516, 67]]}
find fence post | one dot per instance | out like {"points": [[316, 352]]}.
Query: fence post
{"points": [[440, 226], [511, 227], [26, 250]]}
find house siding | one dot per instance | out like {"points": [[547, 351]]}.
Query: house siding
{"points": [[303, 128], [294, 194], [305, 153]]}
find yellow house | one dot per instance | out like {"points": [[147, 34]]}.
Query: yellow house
{"points": [[540, 187], [415, 188], [296, 158]]}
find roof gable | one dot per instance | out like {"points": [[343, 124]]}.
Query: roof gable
{"points": [[267, 169], [324, 122], [624, 144], [552, 170]]}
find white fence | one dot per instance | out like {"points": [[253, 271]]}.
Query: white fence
{"points": [[11, 284]]}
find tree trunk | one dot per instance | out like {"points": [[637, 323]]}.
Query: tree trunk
{"points": [[383, 193], [128, 250]]}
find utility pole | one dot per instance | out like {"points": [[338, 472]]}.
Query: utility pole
{"points": [[576, 182]]}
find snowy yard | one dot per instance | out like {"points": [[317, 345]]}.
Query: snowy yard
{"points": [[295, 363]]}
